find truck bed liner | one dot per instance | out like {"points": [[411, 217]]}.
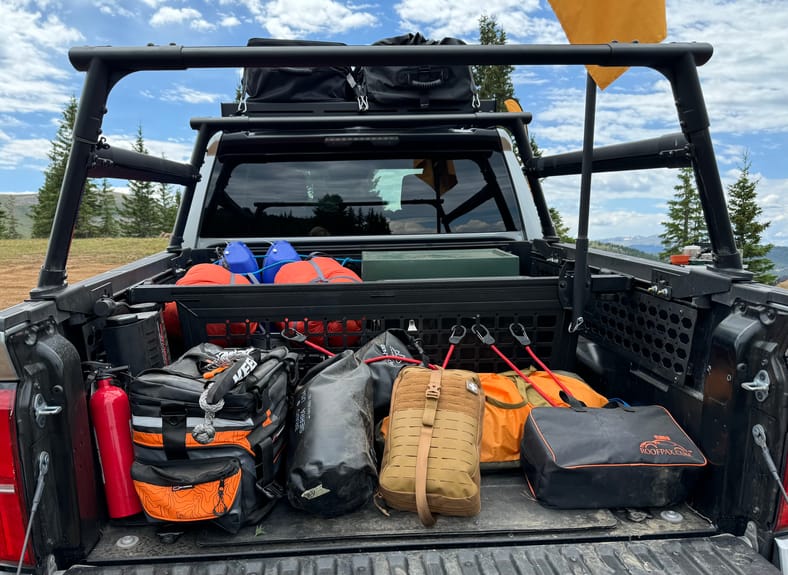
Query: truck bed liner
{"points": [[509, 516], [720, 555]]}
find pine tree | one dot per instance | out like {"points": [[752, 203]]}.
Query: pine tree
{"points": [[87, 225], [107, 211], [3, 223], [686, 225], [747, 230], [493, 81], [43, 212], [138, 212], [166, 207], [561, 229], [12, 223]]}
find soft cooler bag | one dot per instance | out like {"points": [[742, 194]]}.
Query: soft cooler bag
{"points": [[584, 458]]}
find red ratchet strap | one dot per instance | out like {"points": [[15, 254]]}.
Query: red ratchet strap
{"points": [[455, 337], [486, 338], [291, 334], [397, 358], [518, 332]]}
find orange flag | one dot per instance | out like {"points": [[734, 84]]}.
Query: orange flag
{"points": [[603, 21]]}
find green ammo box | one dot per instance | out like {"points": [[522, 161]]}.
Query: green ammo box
{"points": [[399, 265]]}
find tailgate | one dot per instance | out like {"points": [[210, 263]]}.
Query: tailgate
{"points": [[718, 555]]}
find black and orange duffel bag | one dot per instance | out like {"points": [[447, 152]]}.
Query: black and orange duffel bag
{"points": [[617, 456], [208, 434]]}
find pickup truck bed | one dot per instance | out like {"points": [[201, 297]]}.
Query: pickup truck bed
{"points": [[510, 518], [704, 342]]}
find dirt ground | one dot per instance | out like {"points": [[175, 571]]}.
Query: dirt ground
{"points": [[21, 261]]}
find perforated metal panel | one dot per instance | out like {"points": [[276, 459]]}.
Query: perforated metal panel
{"points": [[653, 333]]}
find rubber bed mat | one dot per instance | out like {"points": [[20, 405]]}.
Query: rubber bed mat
{"points": [[719, 555], [506, 507]]}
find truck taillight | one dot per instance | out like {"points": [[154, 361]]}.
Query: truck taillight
{"points": [[782, 510], [13, 515]]}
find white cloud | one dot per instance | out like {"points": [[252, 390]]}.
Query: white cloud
{"points": [[30, 42], [441, 18], [298, 18], [229, 22], [111, 8], [177, 150], [167, 15], [23, 153], [181, 93]]}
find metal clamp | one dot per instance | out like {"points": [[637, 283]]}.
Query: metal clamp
{"points": [[760, 385]]}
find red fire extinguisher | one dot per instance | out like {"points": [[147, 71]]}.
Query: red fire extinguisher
{"points": [[111, 414]]}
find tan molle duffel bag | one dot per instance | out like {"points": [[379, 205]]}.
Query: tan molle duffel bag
{"points": [[431, 458]]}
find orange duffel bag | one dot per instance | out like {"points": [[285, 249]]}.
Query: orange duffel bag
{"points": [[234, 334], [321, 270], [509, 400]]}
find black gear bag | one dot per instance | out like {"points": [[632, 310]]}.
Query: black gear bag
{"points": [[427, 87], [297, 85]]}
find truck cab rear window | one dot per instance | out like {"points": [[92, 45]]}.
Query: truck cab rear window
{"points": [[360, 197]]}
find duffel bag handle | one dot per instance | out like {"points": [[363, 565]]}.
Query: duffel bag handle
{"points": [[228, 378], [427, 85]]}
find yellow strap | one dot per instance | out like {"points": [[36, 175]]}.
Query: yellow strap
{"points": [[425, 439]]}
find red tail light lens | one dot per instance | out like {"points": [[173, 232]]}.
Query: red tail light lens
{"points": [[13, 515]]}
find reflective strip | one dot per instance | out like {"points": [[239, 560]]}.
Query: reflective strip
{"points": [[6, 488], [222, 438], [191, 422]]}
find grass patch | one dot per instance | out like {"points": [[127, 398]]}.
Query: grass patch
{"points": [[21, 261]]}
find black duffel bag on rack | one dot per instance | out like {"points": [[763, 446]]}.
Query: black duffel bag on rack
{"points": [[418, 87], [208, 433], [297, 84]]}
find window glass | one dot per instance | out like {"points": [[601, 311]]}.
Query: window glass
{"points": [[360, 196]]}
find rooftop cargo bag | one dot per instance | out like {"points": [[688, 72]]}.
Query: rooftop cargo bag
{"points": [[297, 85], [208, 434], [420, 87], [587, 458]]}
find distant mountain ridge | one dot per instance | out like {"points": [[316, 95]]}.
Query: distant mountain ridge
{"points": [[648, 244]]}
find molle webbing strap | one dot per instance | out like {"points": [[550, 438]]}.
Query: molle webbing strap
{"points": [[425, 439]]}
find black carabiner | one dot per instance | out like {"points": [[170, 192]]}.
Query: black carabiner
{"points": [[483, 334], [457, 333], [521, 337], [291, 334]]}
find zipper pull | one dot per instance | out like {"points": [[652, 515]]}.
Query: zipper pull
{"points": [[221, 507]]}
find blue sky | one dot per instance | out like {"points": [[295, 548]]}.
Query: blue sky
{"points": [[745, 83]]}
